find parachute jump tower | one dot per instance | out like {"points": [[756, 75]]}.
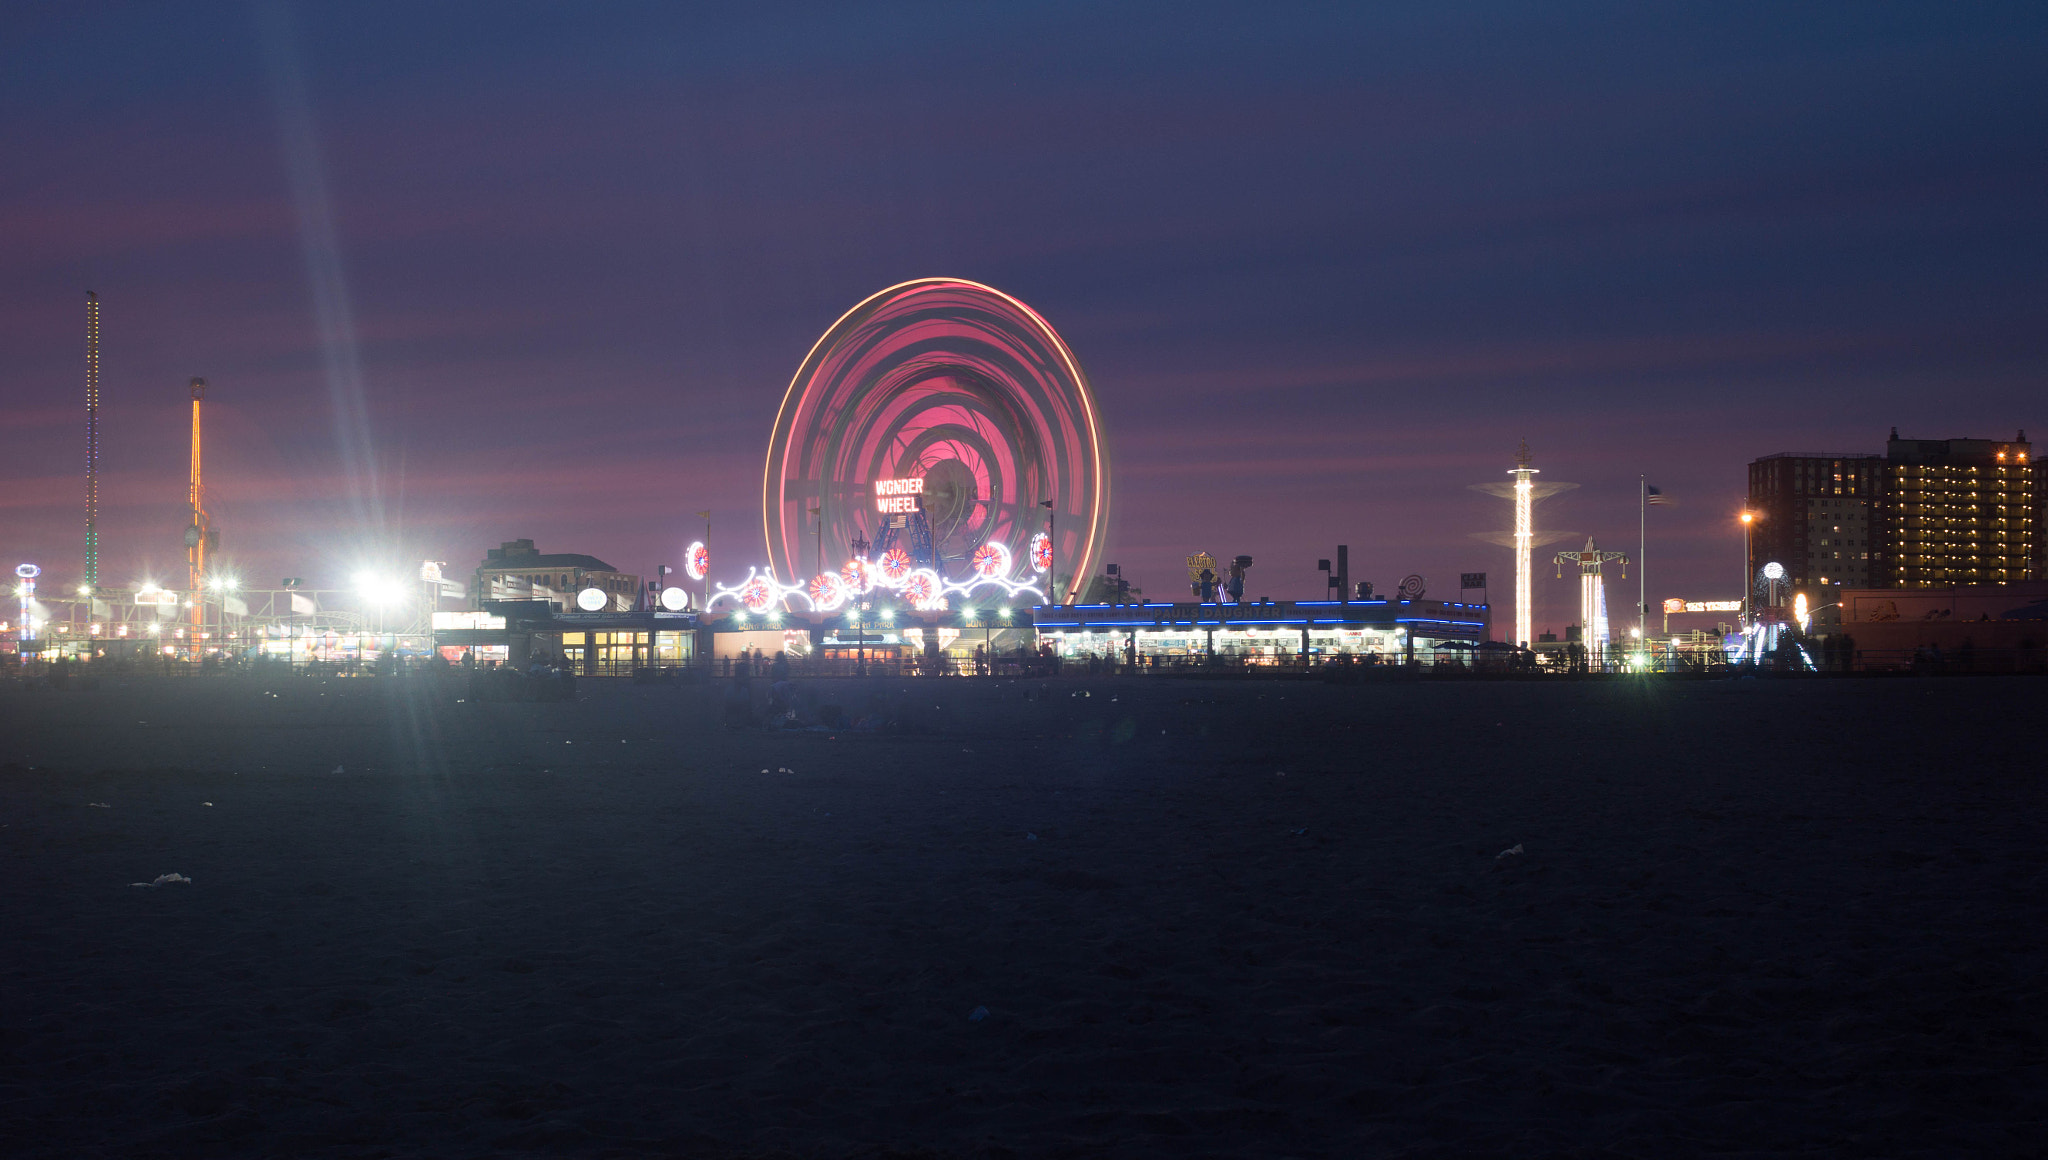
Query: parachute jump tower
{"points": [[1524, 491], [91, 577]]}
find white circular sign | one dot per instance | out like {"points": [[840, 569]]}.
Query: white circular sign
{"points": [[591, 600], [1774, 571], [674, 599]]}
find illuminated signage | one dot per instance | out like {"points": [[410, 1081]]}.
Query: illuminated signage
{"points": [[1677, 605], [898, 496], [455, 621]]}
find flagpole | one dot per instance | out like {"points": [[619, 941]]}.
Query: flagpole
{"points": [[1642, 553]]}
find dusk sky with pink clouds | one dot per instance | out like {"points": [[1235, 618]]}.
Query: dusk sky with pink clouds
{"points": [[458, 274]]}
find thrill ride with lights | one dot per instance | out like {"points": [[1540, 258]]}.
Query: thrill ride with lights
{"points": [[944, 432], [1525, 492], [1592, 593]]}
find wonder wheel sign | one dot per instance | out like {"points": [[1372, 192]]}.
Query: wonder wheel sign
{"points": [[945, 409]]}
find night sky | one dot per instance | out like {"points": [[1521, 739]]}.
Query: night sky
{"points": [[460, 274]]}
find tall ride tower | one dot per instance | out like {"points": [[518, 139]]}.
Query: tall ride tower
{"points": [[92, 441], [199, 535], [1525, 539]]}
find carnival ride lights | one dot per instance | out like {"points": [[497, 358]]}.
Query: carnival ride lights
{"points": [[1524, 539], [1592, 591], [957, 386], [1041, 552], [923, 588], [828, 592], [697, 561], [27, 573], [894, 566], [991, 560]]}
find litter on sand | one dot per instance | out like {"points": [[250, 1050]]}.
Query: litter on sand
{"points": [[98, 806], [1514, 849], [163, 880], [1299, 832], [207, 804], [977, 1015], [337, 769], [1031, 837]]}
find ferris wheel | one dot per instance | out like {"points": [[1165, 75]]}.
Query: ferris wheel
{"points": [[962, 388]]}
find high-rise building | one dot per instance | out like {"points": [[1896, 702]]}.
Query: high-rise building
{"points": [[1818, 514], [1961, 511], [1928, 513]]}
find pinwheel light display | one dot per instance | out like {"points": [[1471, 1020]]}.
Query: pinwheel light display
{"points": [[968, 392]]}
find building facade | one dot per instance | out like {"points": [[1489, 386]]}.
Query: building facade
{"points": [[516, 570], [1928, 513], [1269, 633], [1819, 515], [1961, 512]]}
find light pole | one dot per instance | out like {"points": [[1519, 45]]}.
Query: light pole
{"points": [[1052, 555], [819, 513], [1748, 520], [704, 589], [860, 620]]}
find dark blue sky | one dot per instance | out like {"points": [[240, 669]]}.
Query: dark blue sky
{"points": [[1324, 266]]}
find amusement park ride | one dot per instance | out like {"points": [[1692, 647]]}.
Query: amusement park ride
{"points": [[1524, 539], [940, 425], [1592, 592], [934, 423]]}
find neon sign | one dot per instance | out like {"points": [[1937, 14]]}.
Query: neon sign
{"points": [[898, 496], [1676, 605]]}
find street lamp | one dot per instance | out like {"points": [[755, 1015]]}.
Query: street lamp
{"points": [[1748, 520], [860, 605], [1052, 560]]}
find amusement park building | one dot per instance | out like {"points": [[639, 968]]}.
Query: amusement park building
{"points": [[1268, 632], [516, 570]]}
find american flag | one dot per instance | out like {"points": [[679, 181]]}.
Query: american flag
{"points": [[1654, 494]]}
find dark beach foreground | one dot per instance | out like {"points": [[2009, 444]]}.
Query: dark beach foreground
{"points": [[1203, 919]]}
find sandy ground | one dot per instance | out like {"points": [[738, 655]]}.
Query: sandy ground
{"points": [[1204, 919]]}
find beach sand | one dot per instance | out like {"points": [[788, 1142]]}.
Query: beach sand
{"points": [[1204, 918]]}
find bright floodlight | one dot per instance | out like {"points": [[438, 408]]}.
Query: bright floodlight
{"points": [[377, 589], [1774, 571], [674, 599], [85, 590], [591, 600]]}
